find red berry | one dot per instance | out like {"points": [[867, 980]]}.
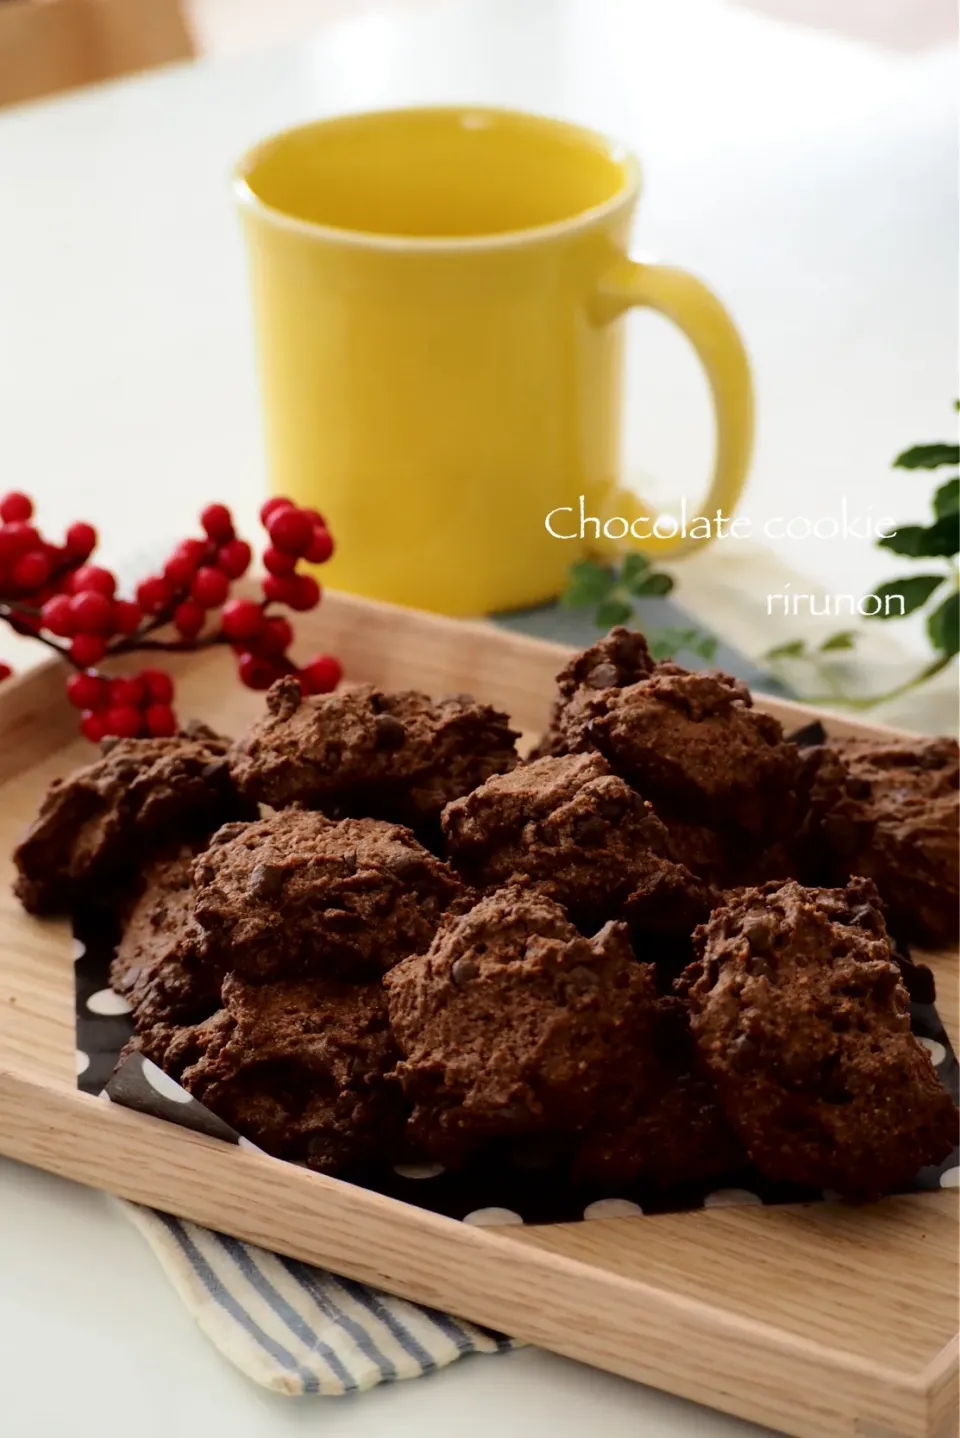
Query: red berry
{"points": [[179, 571], [18, 538], [189, 618], [80, 540], [278, 562], [157, 685], [234, 558], [315, 517], [87, 691], [217, 523], [306, 593], [87, 649], [290, 530], [93, 726], [321, 545], [91, 612], [92, 579], [210, 588], [160, 720], [123, 720], [14, 506], [321, 675], [31, 569], [273, 506], [154, 595], [242, 619], [196, 550], [126, 616], [5, 671], [57, 616], [277, 636], [185, 561], [279, 589], [126, 691], [256, 673]]}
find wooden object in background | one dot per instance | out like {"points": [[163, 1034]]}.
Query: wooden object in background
{"points": [[51, 45], [820, 1320]]}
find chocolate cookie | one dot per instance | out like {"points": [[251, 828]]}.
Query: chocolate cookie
{"points": [[694, 745], [727, 858], [97, 826], [668, 1130], [155, 965], [619, 659], [893, 813], [583, 836], [831, 822], [513, 1023], [301, 895], [859, 904], [298, 1068], [719, 774], [798, 1010], [360, 751]]}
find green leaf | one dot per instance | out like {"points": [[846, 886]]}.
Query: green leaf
{"points": [[793, 649], [910, 539], [651, 585], [633, 568], [588, 583], [665, 643], [914, 590], [928, 456], [844, 639], [919, 542], [611, 612], [947, 498], [943, 626]]}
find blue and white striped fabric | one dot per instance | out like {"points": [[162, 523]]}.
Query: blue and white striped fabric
{"points": [[297, 1329]]}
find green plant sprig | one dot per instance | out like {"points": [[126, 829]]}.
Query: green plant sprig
{"points": [[612, 591], [939, 540]]}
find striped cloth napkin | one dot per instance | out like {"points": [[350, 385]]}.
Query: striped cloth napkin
{"points": [[296, 1329]]}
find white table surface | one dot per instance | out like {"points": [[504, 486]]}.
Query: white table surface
{"points": [[810, 179]]}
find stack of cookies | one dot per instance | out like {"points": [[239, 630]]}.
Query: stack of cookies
{"points": [[367, 931]]}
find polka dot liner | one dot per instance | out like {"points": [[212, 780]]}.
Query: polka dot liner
{"points": [[106, 1003], [512, 1190], [936, 1051]]}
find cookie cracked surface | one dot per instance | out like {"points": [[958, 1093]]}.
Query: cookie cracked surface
{"points": [[155, 966], [893, 814], [399, 756], [586, 839], [512, 1023], [301, 895], [798, 1010], [299, 1068], [96, 826]]}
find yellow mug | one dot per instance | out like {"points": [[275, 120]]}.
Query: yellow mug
{"points": [[438, 296]]}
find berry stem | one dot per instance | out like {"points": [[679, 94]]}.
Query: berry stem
{"points": [[11, 613], [168, 646], [848, 701]]}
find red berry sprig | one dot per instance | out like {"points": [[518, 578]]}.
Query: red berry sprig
{"points": [[53, 593]]}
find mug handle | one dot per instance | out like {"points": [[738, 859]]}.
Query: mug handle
{"points": [[699, 314]]}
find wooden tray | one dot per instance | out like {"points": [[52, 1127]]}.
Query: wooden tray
{"points": [[817, 1320]]}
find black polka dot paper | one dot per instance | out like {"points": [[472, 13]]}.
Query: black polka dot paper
{"points": [[521, 1186]]}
